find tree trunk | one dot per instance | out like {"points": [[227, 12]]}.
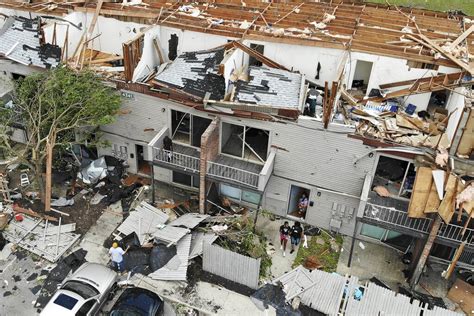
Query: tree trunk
{"points": [[39, 178]]}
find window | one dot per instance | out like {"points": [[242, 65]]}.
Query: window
{"points": [[84, 290], [244, 142], [239, 194], [396, 175], [65, 301], [252, 60], [186, 179], [187, 128], [85, 308]]}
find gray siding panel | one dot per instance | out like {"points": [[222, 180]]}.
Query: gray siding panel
{"points": [[141, 119], [321, 157]]}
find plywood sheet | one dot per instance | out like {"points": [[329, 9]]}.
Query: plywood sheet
{"points": [[446, 208], [462, 293], [466, 143], [421, 191], [433, 200]]}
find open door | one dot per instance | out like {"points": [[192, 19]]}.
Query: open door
{"points": [[295, 207], [142, 165]]}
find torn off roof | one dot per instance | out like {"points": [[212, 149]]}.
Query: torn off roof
{"points": [[196, 73], [271, 87], [20, 41]]}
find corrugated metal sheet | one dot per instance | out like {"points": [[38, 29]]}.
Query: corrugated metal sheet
{"points": [[319, 290], [189, 220], [324, 292], [143, 221], [170, 234], [177, 267], [231, 265], [197, 240]]}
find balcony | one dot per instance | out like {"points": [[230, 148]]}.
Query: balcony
{"points": [[240, 172], [393, 218], [182, 158]]}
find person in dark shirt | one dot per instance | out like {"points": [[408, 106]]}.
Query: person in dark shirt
{"points": [[284, 236], [296, 233], [168, 146]]}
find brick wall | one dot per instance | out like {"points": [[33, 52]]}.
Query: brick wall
{"points": [[209, 151]]}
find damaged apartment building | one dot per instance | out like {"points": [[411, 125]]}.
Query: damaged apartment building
{"points": [[390, 145]]}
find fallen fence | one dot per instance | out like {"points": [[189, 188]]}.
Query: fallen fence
{"points": [[231, 265]]}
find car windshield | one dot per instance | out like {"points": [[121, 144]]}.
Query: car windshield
{"points": [[128, 311], [65, 301], [83, 289]]}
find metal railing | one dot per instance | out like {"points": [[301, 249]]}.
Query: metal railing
{"points": [[396, 217], [400, 218], [237, 175], [176, 159], [454, 232]]}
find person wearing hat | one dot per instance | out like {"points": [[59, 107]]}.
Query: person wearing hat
{"points": [[116, 255]]}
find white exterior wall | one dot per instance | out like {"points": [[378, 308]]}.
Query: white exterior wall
{"points": [[455, 103], [304, 59], [387, 70]]}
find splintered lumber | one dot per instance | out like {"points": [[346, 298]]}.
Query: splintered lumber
{"points": [[461, 37], [19, 209], [453, 263], [421, 192], [446, 208]]}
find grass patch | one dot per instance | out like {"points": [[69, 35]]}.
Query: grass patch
{"points": [[467, 6], [322, 251]]}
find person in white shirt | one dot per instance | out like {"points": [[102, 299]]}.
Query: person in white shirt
{"points": [[116, 255]]}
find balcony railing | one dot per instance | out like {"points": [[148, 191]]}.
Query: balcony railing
{"points": [[188, 163], [399, 218], [234, 174], [396, 217], [454, 232]]}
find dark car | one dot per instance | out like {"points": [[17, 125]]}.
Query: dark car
{"points": [[137, 302]]}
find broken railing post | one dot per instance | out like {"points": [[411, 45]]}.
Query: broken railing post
{"points": [[152, 183], [426, 252], [354, 233]]}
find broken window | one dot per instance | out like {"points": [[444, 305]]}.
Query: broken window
{"points": [[185, 179], [240, 195], [245, 142], [421, 65], [187, 128], [396, 176], [252, 60]]}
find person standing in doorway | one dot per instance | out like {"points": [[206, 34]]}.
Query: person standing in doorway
{"points": [[284, 236], [116, 255], [296, 234], [302, 205]]}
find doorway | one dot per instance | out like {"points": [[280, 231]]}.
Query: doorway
{"points": [[296, 194], [142, 165], [362, 73]]}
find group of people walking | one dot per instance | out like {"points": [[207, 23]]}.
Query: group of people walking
{"points": [[294, 233]]}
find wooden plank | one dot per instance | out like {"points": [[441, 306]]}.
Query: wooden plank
{"points": [[466, 144], [453, 263], [446, 208], [433, 200], [462, 37], [421, 191]]}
